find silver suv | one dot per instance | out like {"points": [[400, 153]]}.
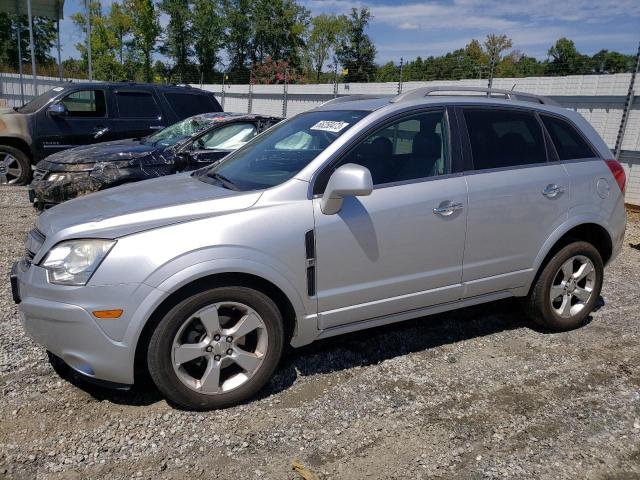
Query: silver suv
{"points": [[362, 212]]}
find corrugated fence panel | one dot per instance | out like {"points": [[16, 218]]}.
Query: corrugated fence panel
{"points": [[631, 163]]}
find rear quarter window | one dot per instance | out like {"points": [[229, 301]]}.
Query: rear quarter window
{"points": [[189, 104], [568, 142], [133, 104], [504, 138]]}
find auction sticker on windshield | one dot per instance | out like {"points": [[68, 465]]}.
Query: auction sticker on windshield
{"points": [[329, 126]]}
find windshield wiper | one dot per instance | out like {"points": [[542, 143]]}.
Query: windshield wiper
{"points": [[226, 183]]}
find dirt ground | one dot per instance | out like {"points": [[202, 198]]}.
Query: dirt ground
{"points": [[476, 393]]}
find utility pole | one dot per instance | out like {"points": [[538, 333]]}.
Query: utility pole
{"points": [[250, 90], [335, 79], [86, 7], [284, 93], [400, 82], [627, 107], [31, 47], [224, 76], [491, 67], [20, 52]]}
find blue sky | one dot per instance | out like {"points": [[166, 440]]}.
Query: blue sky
{"points": [[409, 28]]}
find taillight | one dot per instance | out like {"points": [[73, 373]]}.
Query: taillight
{"points": [[618, 173]]}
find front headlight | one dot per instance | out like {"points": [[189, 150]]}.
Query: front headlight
{"points": [[74, 261], [64, 176]]}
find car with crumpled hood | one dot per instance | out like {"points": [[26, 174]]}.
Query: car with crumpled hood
{"points": [[190, 144]]}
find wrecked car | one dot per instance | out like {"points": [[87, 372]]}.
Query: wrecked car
{"points": [[75, 114], [187, 145]]}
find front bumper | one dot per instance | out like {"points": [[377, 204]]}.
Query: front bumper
{"points": [[59, 319]]}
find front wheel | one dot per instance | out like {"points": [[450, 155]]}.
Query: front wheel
{"points": [[216, 348], [568, 287]]}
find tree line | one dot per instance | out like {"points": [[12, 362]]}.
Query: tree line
{"points": [[269, 41]]}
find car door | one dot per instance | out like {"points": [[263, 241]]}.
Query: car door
{"points": [[137, 113], [401, 247], [84, 123], [218, 142], [516, 197]]}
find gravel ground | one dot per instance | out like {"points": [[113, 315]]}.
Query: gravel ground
{"points": [[477, 393]]}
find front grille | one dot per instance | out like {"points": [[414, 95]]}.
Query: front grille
{"points": [[35, 239]]}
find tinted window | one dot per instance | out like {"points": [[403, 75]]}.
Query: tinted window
{"points": [[136, 105], [568, 142], [188, 104], [229, 137], [504, 138], [411, 148], [85, 103]]}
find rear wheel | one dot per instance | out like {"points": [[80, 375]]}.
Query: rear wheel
{"points": [[15, 167], [568, 287], [216, 348]]}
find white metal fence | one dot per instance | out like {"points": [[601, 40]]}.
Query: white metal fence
{"points": [[599, 98]]}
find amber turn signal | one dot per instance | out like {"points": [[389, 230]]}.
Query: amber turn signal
{"points": [[108, 313]]}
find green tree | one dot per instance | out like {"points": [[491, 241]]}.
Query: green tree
{"points": [[566, 60], [44, 36], [178, 36], [278, 31], [612, 62], [495, 45], [120, 22], [326, 30], [104, 44], [356, 51], [238, 19], [145, 29], [208, 35]]}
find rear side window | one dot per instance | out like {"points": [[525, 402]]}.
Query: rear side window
{"points": [[189, 104], [133, 104], [504, 138], [85, 103], [568, 142]]}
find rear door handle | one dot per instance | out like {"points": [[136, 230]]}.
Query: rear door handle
{"points": [[446, 209], [552, 190]]}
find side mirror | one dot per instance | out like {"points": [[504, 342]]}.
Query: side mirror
{"points": [[349, 180], [182, 160], [58, 110]]}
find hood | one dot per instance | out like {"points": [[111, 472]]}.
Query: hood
{"points": [[140, 206], [15, 124], [103, 152]]}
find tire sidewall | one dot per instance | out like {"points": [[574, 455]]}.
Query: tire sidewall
{"points": [[554, 320], [159, 356]]}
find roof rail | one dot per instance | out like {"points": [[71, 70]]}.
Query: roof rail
{"points": [[351, 98], [491, 92]]}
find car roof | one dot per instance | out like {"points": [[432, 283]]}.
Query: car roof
{"points": [[158, 86], [376, 103]]}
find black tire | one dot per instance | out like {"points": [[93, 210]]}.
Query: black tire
{"points": [[23, 162], [159, 356], [538, 304]]}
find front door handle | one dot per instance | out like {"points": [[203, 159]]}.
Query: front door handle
{"points": [[552, 190], [156, 127], [446, 209], [100, 131]]}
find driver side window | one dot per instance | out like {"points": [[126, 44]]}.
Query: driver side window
{"points": [[411, 148], [85, 103], [230, 137]]}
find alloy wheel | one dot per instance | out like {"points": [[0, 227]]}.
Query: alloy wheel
{"points": [[572, 286], [219, 348], [10, 169]]}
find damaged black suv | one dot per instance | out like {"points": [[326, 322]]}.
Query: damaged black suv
{"points": [[76, 114], [190, 144]]}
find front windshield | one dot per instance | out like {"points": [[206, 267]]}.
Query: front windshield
{"points": [[176, 132], [282, 151], [40, 101]]}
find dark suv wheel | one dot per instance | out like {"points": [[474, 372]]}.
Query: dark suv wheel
{"points": [[216, 348], [15, 167], [568, 287]]}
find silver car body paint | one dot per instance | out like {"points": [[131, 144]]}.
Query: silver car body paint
{"points": [[174, 230]]}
